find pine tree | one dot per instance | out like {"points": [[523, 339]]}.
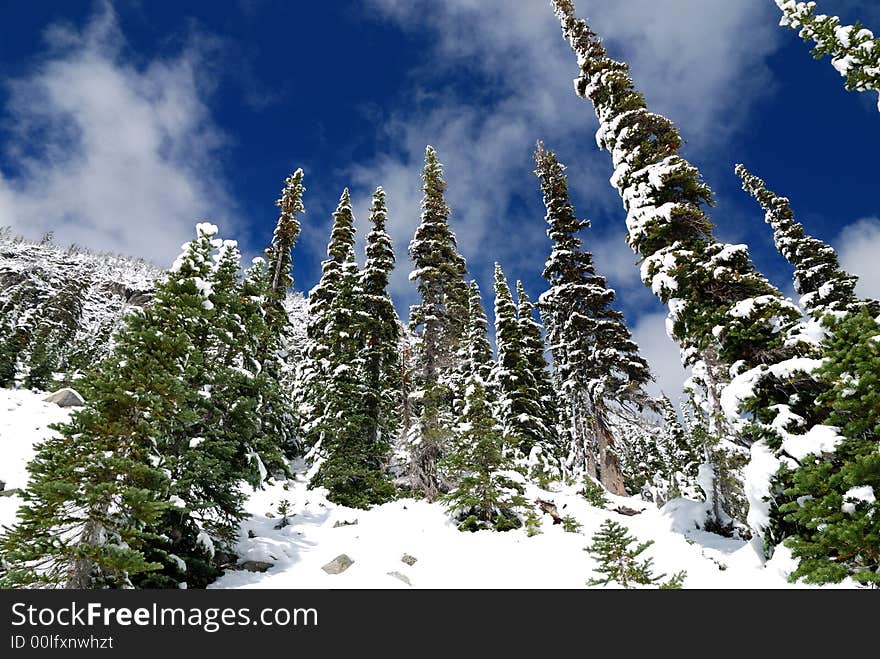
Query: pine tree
{"points": [[485, 496], [352, 451], [438, 321], [519, 400], [317, 367], [832, 497], [721, 310], [101, 492], [380, 333], [548, 458], [620, 563], [818, 278], [854, 51], [272, 290], [597, 363]]}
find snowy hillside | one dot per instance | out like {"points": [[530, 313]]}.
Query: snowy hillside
{"points": [[60, 306], [377, 540]]}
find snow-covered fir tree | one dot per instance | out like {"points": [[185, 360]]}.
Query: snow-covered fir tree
{"points": [[351, 451], [724, 314], [597, 364], [380, 332], [474, 352], [488, 492], [141, 485], [547, 455], [270, 290], [854, 50], [316, 367], [818, 278], [438, 321], [522, 411], [832, 496]]}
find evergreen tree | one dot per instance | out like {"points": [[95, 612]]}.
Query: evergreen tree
{"points": [[485, 496], [854, 51], [380, 333], [722, 311], [519, 400], [272, 289], [351, 452], [620, 563], [101, 493], [597, 363], [438, 321], [832, 495], [547, 459], [818, 278], [317, 366]]}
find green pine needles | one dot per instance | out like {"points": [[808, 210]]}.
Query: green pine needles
{"points": [[620, 563]]}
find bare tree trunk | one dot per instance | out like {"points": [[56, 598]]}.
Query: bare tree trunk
{"points": [[610, 473], [82, 572]]}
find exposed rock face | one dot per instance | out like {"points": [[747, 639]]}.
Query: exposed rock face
{"points": [[338, 565], [409, 560], [66, 397]]}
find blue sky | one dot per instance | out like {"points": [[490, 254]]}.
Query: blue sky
{"points": [[123, 124]]}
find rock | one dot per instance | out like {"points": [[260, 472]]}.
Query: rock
{"points": [[224, 558], [344, 523], [2, 485], [624, 510], [409, 560], [338, 565], [66, 397], [10, 493], [255, 566], [402, 577], [251, 534]]}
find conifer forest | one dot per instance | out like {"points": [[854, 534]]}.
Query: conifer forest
{"points": [[212, 423]]}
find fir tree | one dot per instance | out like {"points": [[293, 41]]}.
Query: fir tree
{"points": [[854, 51], [380, 333], [317, 366], [438, 321], [519, 400], [722, 311], [352, 452], [832, 495], [548, 457], [485, 495], [271, 288], [620, 563], [597, 363], [818, 278]]}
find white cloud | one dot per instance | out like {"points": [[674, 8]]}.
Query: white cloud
{"points": [[662, 354], [111, 155], [859, 247]]}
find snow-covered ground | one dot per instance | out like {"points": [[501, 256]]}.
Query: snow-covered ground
{"points": [[319, 531]]}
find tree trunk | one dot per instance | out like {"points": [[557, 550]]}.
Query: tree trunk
{"points": [[610, 473]]}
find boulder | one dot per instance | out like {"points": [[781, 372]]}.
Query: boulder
{"points": [[255, 566], [338, 565], [409, 560], [344, 523], [401, 577], [10, 493], [66, 397]]}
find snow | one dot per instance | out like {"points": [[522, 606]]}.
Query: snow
{"points": [[758, 474], [856, 494], [817, 440], [447, 558]]}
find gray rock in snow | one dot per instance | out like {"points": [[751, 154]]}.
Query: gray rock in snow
{"points": [[66, 397], [2, 485], [10, 493], [402, 577], [338, 565], [344, 523], [409, 560], [255, 566]]}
